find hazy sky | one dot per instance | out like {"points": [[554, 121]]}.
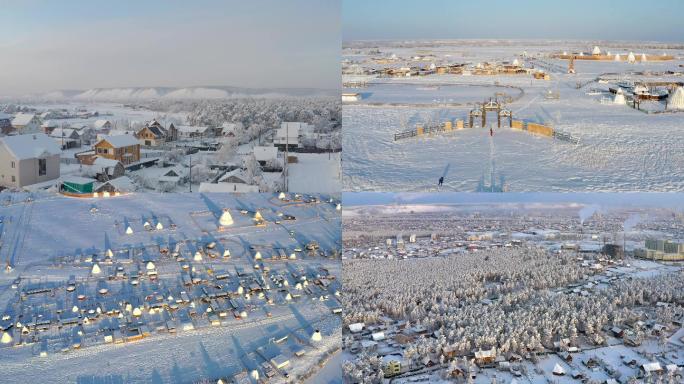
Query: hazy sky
{"points": [[672, 200], [80, 44], [657, 20]]}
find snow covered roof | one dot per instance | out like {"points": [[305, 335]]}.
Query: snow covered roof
{"points": [[63, 132], [77, 179], [119, 141], [100, 123], [46, 123], [191, 129], [30, 146], [121, 184], [227, 187], [23, 118], [105, 162], [265, 153], [652, 367]]}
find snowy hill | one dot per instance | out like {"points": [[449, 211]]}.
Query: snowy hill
{"points": [[179, 93]]}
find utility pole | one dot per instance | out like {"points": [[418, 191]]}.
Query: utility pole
{"points": [[287, 155], [190, 180]]}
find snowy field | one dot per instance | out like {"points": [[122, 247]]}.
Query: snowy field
{"points": [[52, 241], [619, 149], [315, 173]]}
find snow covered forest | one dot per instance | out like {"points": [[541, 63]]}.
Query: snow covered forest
{"points": [[503, 298], [258, 116]]}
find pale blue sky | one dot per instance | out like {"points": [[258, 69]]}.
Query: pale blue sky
{"points": [[77, 44], [658, 20]]}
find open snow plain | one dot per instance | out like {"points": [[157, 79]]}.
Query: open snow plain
{"points": [[153, 288], [619, 147]]}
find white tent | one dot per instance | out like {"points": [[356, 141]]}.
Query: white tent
{"points": [[226, 219], [558, 370], [596, 50], [643, 58], [257, 216], [150, 266], [281, 196], [619, 97], [676, 99], [198, 256], [516, 62], [617, 57], [631, 58], [96, 269], [316, 336], [129, 230], [160, 226], [6, 338]]}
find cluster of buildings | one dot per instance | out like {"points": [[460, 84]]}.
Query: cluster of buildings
{"points": [[661, 249]]}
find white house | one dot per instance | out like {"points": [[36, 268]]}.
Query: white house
{"points": [[26, 123], [287, 134], [28, 159]]}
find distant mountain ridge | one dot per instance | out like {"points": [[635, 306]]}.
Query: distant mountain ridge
{"points": [[178, 93]]}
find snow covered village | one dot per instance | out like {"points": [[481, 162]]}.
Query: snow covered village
{"points": [[169, 288], [130, 141], [522, 291], [513, 115]]}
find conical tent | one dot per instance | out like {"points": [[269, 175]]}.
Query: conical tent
{"points": [[160, 226], [631, 57], [316, 336], [96, 269], [558, 370], [643, 58], [596, 50], [150, 266], [257, 216], [129, 230], [619, 97], [6, 338], [281, 196], [226, 219], [617, 57], [676, 99]]}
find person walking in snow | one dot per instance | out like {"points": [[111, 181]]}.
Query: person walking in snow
{"points": [[441, 180]]}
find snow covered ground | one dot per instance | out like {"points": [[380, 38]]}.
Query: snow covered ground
{"points": [[619, 149], [315, 173], [50, 240]]}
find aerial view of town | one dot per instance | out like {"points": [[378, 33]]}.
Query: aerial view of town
{"points": [[537, 288], [172, 288], [553, 112]]}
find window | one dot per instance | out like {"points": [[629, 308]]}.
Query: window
{"points": [[42, 167], [13, 164], [14, 179]]}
